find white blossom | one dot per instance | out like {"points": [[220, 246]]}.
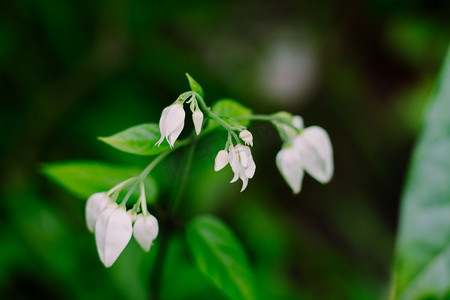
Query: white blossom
{"points": [[221, 160], [242, 164], [145, 230], [171, 123], [113, 231], [310, 151], [94, 206], [197, 118], [247, 137]]}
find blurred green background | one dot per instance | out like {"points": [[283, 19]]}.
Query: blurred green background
{"points": [[71, 71]]}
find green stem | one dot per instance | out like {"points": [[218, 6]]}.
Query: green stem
{"points": [[215, 117], [269, 118]]}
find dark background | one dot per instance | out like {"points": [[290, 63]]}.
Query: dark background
{"points": [[71, 71]]}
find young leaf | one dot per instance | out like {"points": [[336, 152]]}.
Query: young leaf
{"points": [[220, 256], [422, 259], [84, 178], [232, 110], [140, 140], [195, 87]]}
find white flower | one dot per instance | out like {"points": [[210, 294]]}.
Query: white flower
{"points": [[242, 164], [197, 118], [171, 123], [94, 206], [145, 230], [221, 160], [113, 231], [247, 137], [310, 151]]}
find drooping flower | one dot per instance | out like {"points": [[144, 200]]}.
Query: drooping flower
{"points": [[242, 164], [221, 160], [113, 231], [94, 206], [145, 230], [311, 151], [171, 123], [247, 137], [197, 118]]}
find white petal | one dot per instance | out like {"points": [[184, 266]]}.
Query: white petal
{"points": [[174, 119], [94, 206], [316, 152], [145, 230], [290, 167], [113, 231], [244, 183], [244, 155], [174, 135], [221, 160], [162, 124], [197, 118], [235, 177], [234, 160], [250, 171]]}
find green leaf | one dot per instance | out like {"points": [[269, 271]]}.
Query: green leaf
{"points": [[195, 87], [220, 256], [84, 178], [231, 109], [140, 140], [423, 246]]}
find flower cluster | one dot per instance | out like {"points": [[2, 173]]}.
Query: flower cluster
{"points": [[307, 150], [240, 158], [172, 119], [113, 225]]}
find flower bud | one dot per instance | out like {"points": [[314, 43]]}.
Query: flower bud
{"points": [[221, 160], [94, 206], [197, 117], [171, 123], [247, 137], [145, 230], [113, 231]]}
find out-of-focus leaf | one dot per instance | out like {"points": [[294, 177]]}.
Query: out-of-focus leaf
{"points": [[220, 256], [423, 247], [84, 178], [231, 109], [140, 140], [195, 86]]}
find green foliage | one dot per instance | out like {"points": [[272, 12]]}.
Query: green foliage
{"points": [[220, 256], [140, 140], [84, 178], [231, 109], [423, 252], [195, 87]]}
